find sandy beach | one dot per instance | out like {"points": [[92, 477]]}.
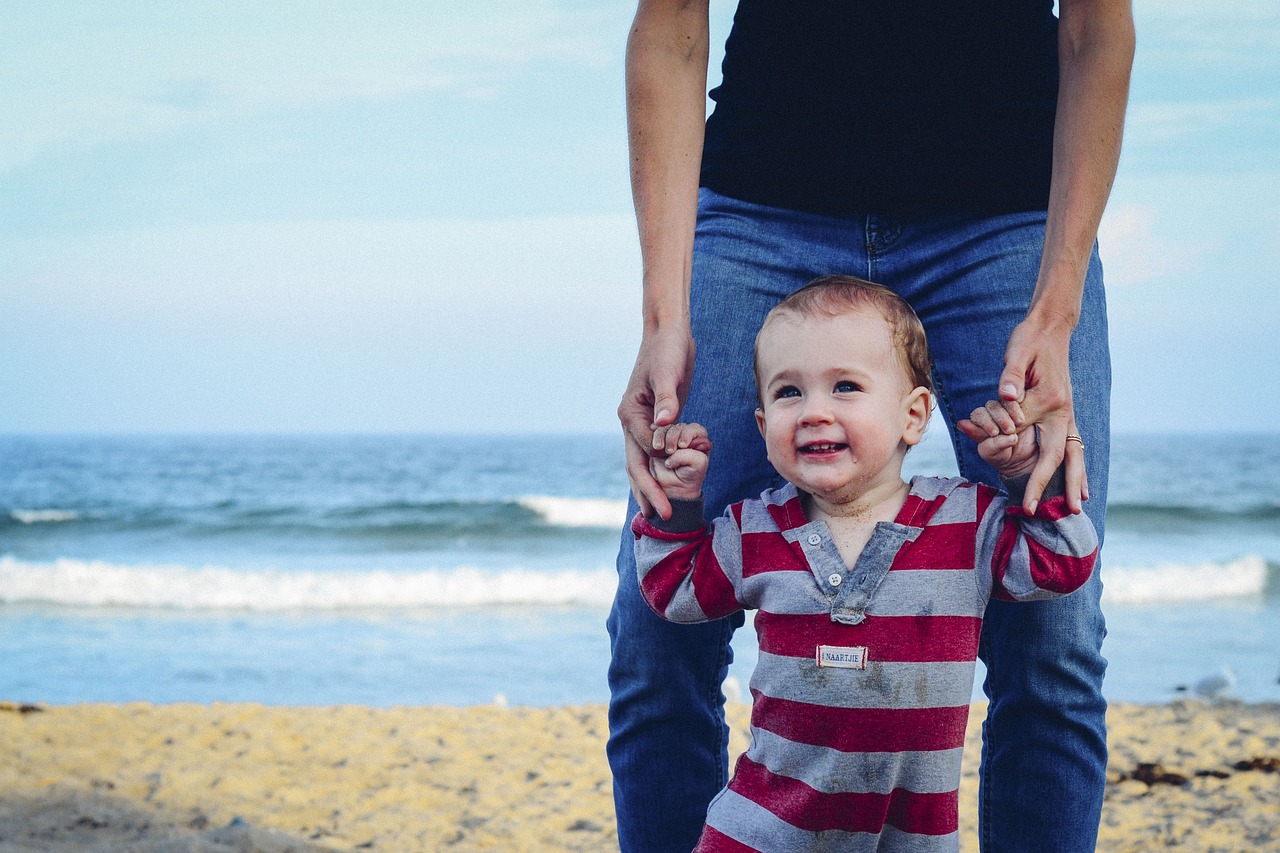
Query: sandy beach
{"points": [[258, 779]]}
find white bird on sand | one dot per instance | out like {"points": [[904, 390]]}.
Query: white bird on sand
{"points": [[1216, 686]]}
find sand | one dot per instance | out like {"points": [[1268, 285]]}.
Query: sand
{"points": [[246, 778]]}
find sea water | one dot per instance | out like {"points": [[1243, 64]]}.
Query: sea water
{"points": [[386, 570]]}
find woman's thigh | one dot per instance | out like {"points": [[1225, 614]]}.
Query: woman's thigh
{"points": [[971, 281], [746, 259]]}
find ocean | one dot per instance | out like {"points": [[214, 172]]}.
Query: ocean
{"points": [[438, 569]]}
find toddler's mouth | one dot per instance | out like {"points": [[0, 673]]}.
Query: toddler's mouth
{"points": [[820, 447]]}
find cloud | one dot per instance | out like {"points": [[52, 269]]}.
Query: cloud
{"points": [[1164, 122], [1194, 51], [1208, 30], [129, 72], [1135, 251], [438, 275], [345, 325]]}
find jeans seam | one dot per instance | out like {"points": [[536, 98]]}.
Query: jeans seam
{"points": [[948, 413], [985, 834]]}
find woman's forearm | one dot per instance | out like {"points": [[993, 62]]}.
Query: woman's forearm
{"points": [[1095, 49], [666, 66]]}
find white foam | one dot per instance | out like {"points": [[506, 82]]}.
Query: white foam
{"points": [[91, 583], [1244, 577], [578, 512], [43, 516], [99, 584]]}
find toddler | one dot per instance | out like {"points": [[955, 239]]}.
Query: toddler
{"points": [[869, 591]]}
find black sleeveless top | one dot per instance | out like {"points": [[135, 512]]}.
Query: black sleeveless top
{"points": [[859, 106]]}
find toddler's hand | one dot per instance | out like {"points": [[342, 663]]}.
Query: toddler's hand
{"points": [[1013, 453], [679, 459]]}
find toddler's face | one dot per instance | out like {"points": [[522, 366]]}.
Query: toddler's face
{"points": [[837, 408]]}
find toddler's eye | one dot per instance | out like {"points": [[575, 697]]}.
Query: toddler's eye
{"points": [[786, 391], [847, 387]]}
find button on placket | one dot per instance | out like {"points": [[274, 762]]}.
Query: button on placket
{"points": [[815, 539]]}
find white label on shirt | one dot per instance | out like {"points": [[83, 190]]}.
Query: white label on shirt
{"points": [[844, 657]]}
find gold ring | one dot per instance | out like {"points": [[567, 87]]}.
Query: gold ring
{"points": [[1076, 438]]}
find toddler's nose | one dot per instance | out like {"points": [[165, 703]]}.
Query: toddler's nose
{"points": [[816, 410]]}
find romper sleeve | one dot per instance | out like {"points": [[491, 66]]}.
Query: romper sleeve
{"points": [[1025, 557], [689, 571]]}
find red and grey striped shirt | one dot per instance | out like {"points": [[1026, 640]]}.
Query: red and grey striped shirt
{"points": [[861, 693]]}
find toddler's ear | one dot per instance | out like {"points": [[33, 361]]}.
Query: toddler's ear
{"points": [[919, 405], [760, 421]]}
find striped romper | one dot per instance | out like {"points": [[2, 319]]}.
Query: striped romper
{"points": [[862, 689]]}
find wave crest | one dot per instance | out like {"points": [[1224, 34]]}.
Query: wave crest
{"points": [[578, 512], [43, 516], [1171, 583], [98, 584]]}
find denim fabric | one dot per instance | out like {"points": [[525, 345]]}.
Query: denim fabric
{"points": [[970, 279]]}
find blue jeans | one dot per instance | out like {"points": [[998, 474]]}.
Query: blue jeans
{"points": [[970, 279]]}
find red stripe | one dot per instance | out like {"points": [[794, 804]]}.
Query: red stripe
{"points": [[999, 593], [861, 729], [789, 515], [713, 841], [1051, 509], [982, 500], [915, 511], [1054, 508], [943, 546], [815, 811], [779, 514], [1061, 573], [1058, 572], [712, 587], [662, 582], [769, 552], [1001, 556], [914, 639], [926, 814]]}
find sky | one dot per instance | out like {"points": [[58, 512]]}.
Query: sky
{"points": [[415, 217]]}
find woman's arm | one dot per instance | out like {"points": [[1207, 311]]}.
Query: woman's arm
{"points": [[1095, 57], [666, 109]]}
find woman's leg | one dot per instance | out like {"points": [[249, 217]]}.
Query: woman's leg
{"points": [[1044, 741], [668, 740]]}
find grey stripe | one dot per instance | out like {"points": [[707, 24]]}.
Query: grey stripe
{"points": [[835, 772], [1017, 575], [1070, 536], [684, 608], [895, 839], [755, 513], [928, 592], [757, 827], [989, 527], [684, 604], [960, 506], [727, 544], [791, 592], [931, 487], [896, 685], [902, 593]]}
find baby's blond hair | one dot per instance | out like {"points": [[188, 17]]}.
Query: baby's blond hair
{"points": [[834, 295]]}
